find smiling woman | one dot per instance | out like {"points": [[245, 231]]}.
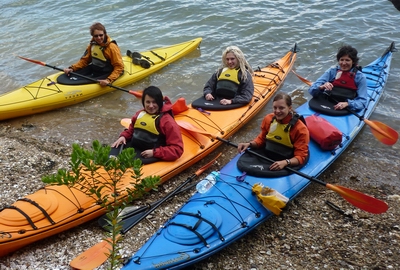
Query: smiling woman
{"points": [[283, 136], [153, 131], [102, 59], [344, 83], [311, 234]]}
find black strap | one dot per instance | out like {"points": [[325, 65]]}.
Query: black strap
{"points": [[159, 56], [22, 213], [190, 228], [198, 215], [40, 208]]}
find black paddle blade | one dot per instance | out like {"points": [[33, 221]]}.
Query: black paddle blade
{"points": [[396, 4], [128, 212]]}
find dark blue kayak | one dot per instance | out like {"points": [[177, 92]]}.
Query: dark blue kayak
{"points": [[209, 222]]}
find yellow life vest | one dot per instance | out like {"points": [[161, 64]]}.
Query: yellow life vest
{"points": [[228, 83], [98, 58], [278, 134], [278, 143], [145, 133]]}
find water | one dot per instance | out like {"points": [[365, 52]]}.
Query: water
{"points": [[58, 32]]}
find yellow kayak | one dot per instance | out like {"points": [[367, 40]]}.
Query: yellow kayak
{"points": [[54, 209], [46, 94]]}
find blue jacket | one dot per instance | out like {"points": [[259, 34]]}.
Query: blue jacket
{"points": [[356, 104]]}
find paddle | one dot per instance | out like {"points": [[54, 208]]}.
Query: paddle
{"points": [[98, 254], [135, 93], [382, 132], [183, 124], [131, 211], [358, 199]]}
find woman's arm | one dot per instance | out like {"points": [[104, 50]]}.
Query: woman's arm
{"points": [[360, 101], [300, 135], [114, 54], [246, 90], [210, 85], [174, 143], [328, 76]]}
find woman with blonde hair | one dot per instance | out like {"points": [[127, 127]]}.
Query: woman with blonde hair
{"points": [[232, 82]]}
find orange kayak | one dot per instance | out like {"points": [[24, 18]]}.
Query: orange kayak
{"points": [[54, 208]]}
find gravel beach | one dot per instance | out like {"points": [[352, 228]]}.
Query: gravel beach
{"points": [[309, 234]]}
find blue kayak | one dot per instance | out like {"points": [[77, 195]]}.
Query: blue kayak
{"points": [[210, 221]]}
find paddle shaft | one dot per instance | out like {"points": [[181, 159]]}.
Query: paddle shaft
{"points": [[99, 253], [390, 136], [272, 161], [171, 194], [358, 199], [130, 225], [75, 74], [102, 221]]}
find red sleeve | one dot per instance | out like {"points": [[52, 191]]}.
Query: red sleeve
{"points": [[266, 123], [300, 136], [174, 148]]}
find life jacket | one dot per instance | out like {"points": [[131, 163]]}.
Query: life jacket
{"points": [[145, 134], [278, 144], [99, 61], [228, 83], [344, 85]]}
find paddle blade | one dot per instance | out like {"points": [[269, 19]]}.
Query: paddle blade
{"points": [[205, 167], [33, 61], [125, 122], [382, 132], [303, 79], [360, 200], [92, 257], [188, 126], [137, 94]]}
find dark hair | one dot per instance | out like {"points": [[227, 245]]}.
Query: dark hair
{"points": [[350, 51], [284, 96], [154, 92], [97, 26]]}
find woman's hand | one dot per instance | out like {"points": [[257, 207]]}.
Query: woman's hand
{"points": [[104, 82], [242, 147], [209, 97], [68, 70], [278, 165], [326, 86], [147, 153], [225, 101], [121, 140], [341, 105]]}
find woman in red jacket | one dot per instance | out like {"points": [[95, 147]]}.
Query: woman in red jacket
{"points": [[153, 131]]}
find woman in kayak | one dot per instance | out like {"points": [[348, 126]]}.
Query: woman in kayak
{"points": [[346, 85], [153, 131], [233, 81], [102, 59], [283, 135]]}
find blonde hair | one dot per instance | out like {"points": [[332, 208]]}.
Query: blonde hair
{"points": [[243, 64]]}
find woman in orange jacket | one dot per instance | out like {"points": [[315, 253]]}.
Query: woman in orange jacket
{"points": [[283, 135], [102, 59]]}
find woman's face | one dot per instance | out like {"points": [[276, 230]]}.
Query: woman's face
{"points": [[150, 105], [231, 60], [281, 109], [98, 36], [345, 63]]}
